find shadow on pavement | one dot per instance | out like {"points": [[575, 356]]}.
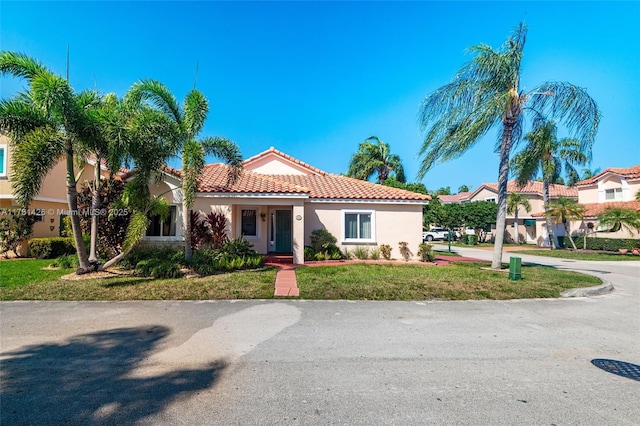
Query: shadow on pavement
{"points": [[620, 368], [87, 380]]}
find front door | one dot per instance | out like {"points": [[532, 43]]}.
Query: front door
{"points": [[283, 231]]}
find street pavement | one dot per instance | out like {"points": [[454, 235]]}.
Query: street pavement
{"points": [[568, 361]]}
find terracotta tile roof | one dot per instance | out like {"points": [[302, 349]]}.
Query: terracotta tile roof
{"points": [[330, 186], [286, 156], [214, 180], [461, 196], [594, 209], [535, 187], [628, 173]]}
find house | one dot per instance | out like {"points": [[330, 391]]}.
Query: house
{"points": [[532, 224], [279, 200], [50, 205], [614, 187]]}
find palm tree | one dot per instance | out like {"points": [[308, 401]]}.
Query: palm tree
{"points": [[544, 154], [620, 218], [588, 173], [44, 127], [514, 201], [188, 121], [486, 93], [374, 157], [564, 210]]}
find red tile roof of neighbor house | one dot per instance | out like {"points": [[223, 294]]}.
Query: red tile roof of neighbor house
{"points": [[456, 198], [535, 187], [594, 209], [632, 172]]}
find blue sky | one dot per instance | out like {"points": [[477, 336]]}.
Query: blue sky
{"points": [[314, 79]]}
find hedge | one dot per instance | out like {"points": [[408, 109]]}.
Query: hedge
{"points": [[609, 244], [51, 248]]}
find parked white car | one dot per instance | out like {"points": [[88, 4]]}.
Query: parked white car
{"points": [[439, 234]]}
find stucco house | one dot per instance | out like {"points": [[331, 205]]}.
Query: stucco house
{"points": [[279, 200], [614, 187], [531, 225]]}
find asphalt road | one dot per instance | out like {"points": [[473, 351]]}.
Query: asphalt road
{"points": [[328, 362]]}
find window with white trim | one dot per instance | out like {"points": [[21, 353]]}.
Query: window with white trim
{"points": [[493, 200], [249, 226], [3, 160], [613, 194], [163, 228], [359, 225]]}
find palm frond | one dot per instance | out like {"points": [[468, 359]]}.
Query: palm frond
{"points": [[195, 111], [159, 96], [20, 65], [228, 151], [19, 118]]}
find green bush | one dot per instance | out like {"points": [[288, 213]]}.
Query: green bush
{"points": [[385, 250], [140, 253], [375, 254], [471, 239], [51, 247], [158, 268], [425, 251], [361, 253], [612, 244], [321, 240], [234, 254], [309, 253]]}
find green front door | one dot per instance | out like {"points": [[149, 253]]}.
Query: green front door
{"points": [[283, 231]]}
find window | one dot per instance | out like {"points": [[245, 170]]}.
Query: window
{"points": [[3, 160], [163, 228], [493, 200], [359, 226], [613, 194], [249, 223]]}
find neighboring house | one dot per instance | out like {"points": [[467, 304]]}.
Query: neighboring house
{"points": [[278, 201], [50, 205], [614, 187], [531, 225]]}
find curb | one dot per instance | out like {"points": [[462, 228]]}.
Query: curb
{"points": [[599, 290]]}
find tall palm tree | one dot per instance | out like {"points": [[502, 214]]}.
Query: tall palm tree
{"points": [[620, 218], [188, 121], [564, 210], [44, 127], [485, 93], [374, 157], [588, 173], [514, 201], [547, 156]]}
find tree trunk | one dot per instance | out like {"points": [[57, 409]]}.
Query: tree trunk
{"points": [[515, 227], [503, 177], [566, 231], [545, 202], [72, 200], [186, 221], [95, 206]]}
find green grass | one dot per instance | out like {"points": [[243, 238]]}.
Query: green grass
{"points": [[445, 253], [20, 272], [580, 255], [25, 280], [460, 281]]}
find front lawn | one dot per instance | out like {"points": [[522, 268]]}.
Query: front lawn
{"points": [[19, 272], [460, 281], [580, 254]]}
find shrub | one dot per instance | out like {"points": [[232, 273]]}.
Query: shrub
{"points": [[309, 253], [405, 252], [158, 268], [321, 240], [425, 251], [234, 254], [385, 250], [361, 253], [346, 253], [612, 244], [141, 253], [375, 254], [208, 230], [14, 229], [51, 247]]}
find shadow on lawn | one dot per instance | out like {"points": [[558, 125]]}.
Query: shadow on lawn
{"points": [[86, 380]]}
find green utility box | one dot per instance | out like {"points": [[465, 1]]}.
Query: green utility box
{"points": [[515, 268]]}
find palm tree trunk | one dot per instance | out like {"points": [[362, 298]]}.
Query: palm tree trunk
{"points": [[72, 200], [95, 206], [186, 221], [515, 227], [566, 231], [503, 177], [545, 202]]}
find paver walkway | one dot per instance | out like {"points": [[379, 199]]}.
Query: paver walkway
{"points": [[286, 282]]}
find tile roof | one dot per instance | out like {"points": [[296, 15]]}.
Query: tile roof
{"points": [[456, 198], [628, 173], [594, 209], [535, 187], [326, 186]]}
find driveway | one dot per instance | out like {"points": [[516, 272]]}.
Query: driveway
{"points": [[328, 362]]}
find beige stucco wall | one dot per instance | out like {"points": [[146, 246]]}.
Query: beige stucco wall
{"points": [[595, 193], [393, 223], [483, 194], [271, 164]]}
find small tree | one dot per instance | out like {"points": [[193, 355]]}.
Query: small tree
{"points": [[564, 210], [15, 227], [480, 215], [450, 216], [514, 201], [374, 158], [620, 218]]}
